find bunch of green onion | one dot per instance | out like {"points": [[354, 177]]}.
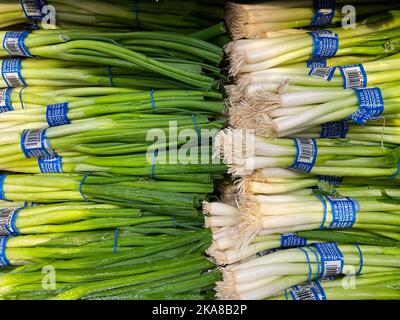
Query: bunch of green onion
{"points": [[173, 194], [139, 108], [103, 48], [245, 152], [58, 73], [278, 18], [278, 181], [226, 248], [375, 36], [147, 263], [75, 216], [289, 114], [267, 276], [231, 226], [175, 16], [254, 87], [375, 286]]}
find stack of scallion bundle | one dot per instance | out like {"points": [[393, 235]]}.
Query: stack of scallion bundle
{"points": [[107, 122], [174, 16], [312, 211], [271, 19]]}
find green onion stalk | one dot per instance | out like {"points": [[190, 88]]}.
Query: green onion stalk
{"points": [[288, 114], [269, 275], [379, 286], [272, 18], [171, 197], [245, 152], [165, 15], [373, 36], [101, 49]]}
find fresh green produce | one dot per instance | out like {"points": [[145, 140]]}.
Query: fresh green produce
{"points": [[275, 18], [161, 266], [374, 36], [173, 194], [245, 152], [164, 15], [267, 276], [380, 286], [101, 48]]}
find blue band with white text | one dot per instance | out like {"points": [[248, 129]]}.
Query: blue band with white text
{"points": [[14, 43], [324, 12], [371, 105], [325, 44], [5, 100], [34, 144], [57, 114], [306, 154]]}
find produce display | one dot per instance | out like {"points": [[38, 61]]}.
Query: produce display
{"points": [[199, 150], [311, 211]]}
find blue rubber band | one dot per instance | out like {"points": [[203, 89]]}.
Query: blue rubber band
{"points": [[81, 185], [319, 263], [397, 172], [361, 259], [116, 234], [196, 127], [153, 103], [310, 273], [136, 6], [2, 195], [325, 209], [20, 98], [153, 163], [110, 76], [286, 295]]}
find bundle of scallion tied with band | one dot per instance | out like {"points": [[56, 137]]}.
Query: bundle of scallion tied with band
{"points": [[17, 72], [262, 217], [126, 152], [175, 16], [75, 216], [289, 114], [375, 36], [244, 152], [138, 262], [269, 275], [30, 109], [224, 221], [81, 130], [172, 194], [257, 87], [105, 48], [374, 286], [269, 19]]}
